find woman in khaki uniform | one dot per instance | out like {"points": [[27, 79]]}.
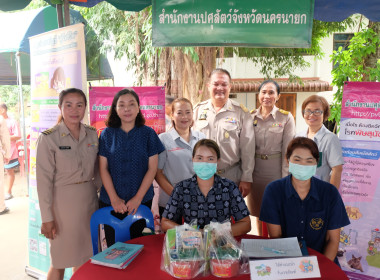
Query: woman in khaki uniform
{"points": [[66, 160], [274, 129]]}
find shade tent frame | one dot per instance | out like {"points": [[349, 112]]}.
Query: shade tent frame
{"points": [[21, 96], [325, 10], [20, 48]]}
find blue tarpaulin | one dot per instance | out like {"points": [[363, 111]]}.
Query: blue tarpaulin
{"points": [[16, 30], [325, 10], [338, 10]]}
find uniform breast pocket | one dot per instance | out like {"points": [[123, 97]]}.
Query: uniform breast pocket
{"points": [[275, 137], [66, 160], [317, 221], [230, 133], [203, 126], [91, 154]]}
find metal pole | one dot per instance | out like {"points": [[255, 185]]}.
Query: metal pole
{"points": [[66, 12], [59, 15], [21, 96]]}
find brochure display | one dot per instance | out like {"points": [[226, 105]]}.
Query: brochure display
{"points": [[359, 248]]}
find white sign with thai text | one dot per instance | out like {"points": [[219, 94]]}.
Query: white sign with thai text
{"points": [[290, 268]]}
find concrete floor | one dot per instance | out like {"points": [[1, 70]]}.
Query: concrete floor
{"points": [[14, 234]]}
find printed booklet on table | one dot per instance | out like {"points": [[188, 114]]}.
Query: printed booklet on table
{"points": [[119, 255]]}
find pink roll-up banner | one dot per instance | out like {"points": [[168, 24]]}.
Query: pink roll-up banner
{"points": [[152, 105], [359, 247]]}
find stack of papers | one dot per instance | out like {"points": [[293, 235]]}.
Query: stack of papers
{"points": [[119, 255], [271, 248]]}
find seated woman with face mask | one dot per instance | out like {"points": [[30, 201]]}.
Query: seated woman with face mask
{"points": [[207, 197], [303, 206]]}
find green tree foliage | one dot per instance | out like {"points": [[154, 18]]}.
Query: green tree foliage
{"points": [[117, 31], [10, 96], [360, 62]]}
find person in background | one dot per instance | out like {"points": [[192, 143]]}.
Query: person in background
{"points": [[274, 129], [66, 164], [5, 153], [15, 134], [229, 124], [128, 159], [303, 206], [174, 163], [207, 197], [315, 111], [168, 112]]}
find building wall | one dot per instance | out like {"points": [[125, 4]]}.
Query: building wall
{"points": [[241, 68]]}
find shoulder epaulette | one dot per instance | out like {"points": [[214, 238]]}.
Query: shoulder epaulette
{"points": [[244, 108], [89, 127], [48, 131], [253, 111], [284, 112], [200, 103]]}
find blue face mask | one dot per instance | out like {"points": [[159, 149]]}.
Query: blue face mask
{"points": [[302, 172], [204, 170]]}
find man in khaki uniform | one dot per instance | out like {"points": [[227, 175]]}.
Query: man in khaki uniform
{"points": [[5, 154], [231, 126]]}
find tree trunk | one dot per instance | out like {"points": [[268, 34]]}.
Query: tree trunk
{"points": [[186, 78], [137, 44], [371, 60], [195, 74], [168, 71]]}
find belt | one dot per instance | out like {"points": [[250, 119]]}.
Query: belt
{"points": [[82, 182], [266, 157], [222, 171]]}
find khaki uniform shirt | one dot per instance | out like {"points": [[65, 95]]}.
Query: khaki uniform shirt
{"points": [[62, 160], [232, 129], [274, 133]]}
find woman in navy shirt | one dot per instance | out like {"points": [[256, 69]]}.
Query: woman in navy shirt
{"points": [[303, 206], [128, 157]]}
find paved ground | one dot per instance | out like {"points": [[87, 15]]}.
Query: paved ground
{"points": [[14, 234]]}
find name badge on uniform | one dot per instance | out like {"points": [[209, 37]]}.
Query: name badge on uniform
{"points": [[64, 147], [203, 115], [226, 135]]}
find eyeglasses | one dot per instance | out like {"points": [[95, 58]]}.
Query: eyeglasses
{"points": [[315, 112]]}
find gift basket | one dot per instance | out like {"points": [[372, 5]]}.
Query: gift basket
{"points": [[189, 252], [226, 258], [183, 252]]}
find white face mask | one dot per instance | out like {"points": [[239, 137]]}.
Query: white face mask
{"points": [[302, 172]]}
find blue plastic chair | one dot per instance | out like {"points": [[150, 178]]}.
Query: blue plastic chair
{"points": [[121, 227]]}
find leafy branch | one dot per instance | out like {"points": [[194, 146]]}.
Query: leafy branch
{"points": [[360, 62]]}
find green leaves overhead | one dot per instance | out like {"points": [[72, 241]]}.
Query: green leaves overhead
{"points": [[124, 32], [359, 62]]}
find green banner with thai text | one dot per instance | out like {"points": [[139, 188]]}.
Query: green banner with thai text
{"points": [[252, 23]]}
